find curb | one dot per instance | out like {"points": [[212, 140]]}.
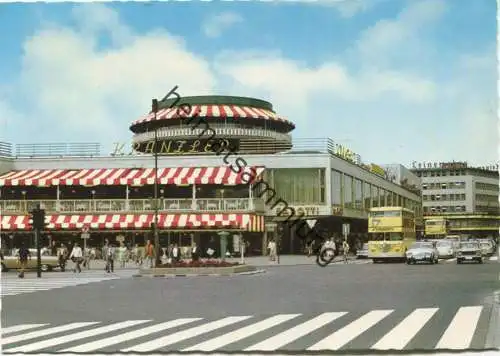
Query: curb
{"points": [[199, 274]]}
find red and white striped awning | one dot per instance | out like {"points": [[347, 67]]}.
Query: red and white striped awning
{"points": [[216, 111], [129, 176], [140, 221]]}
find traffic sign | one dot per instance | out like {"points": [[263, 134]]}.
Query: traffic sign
{"points": [[85, 235], [311, 223], [346, 229]]}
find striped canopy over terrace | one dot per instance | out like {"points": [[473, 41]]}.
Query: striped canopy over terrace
{"points": [[246, 222], [129, 176]]}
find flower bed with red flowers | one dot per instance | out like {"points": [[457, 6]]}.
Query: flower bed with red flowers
{"points": [[197, 264]]}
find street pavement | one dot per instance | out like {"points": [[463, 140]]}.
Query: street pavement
{"points": [[354, 306]]}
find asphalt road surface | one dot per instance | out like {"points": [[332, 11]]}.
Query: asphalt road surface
{"points": [[342, 307]]}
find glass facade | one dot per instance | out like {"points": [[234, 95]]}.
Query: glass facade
{"points": [[337, 188], [306, 186], [367, 194], [348, 196], [358, 194], [299, 185]]}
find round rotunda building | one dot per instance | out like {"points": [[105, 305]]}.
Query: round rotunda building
{"points": [[188, 125]]}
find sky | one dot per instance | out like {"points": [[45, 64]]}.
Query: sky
{"points": [[395, 81]]}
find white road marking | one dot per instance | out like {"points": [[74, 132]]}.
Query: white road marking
{"points": [[45, 332], [20, 286], [406, 330], [459, 333], [290, 335], [131, 335], [237, 335], [76, 336], [23, 327], [343, 336], [185, 334]]}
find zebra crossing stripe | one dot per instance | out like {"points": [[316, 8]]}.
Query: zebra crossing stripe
{"points": [[406, 330], [22, 327], [185, 334], [290, 335], [459, 333], [343, 336], [131, 335], [45, 332], [242, 333], [77, 336]]}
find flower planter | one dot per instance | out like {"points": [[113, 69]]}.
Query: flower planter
{"points": [[198, 270]]}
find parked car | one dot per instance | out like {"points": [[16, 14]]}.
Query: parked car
{"points": [[362, 252], [487, 247], [445, 248], [469, 251], [12, 262], [422, 251]]}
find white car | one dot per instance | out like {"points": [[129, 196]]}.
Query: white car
{"points": [[422, 251], [487, 248], [469, 251], [446, 249]]}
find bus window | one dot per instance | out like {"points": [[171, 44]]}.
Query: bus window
{"points": [[392, 214]]}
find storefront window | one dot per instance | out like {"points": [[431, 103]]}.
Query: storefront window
{"points": [[358, 194], [367, 194], [348, 196], [389, 199], [336, 188], [382, 193], [298, 186], [375, 197]]}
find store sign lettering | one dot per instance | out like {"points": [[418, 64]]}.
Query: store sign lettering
{"points": [[172, 147], [347, 154], [377, 170], [300, 210]]}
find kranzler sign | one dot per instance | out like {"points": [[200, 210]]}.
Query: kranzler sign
{"points": [[172, 147]]}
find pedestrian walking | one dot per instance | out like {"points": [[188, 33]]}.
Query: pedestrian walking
{"points": [[150, 254], [24, 254], [272, 250], [77, 257], [110, 258], [62, 256]]}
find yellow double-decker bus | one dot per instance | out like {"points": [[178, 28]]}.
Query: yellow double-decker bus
{"points": [[391, 232], [436, 227]]}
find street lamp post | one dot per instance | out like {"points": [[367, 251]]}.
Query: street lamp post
{"points": [[156, 202]]}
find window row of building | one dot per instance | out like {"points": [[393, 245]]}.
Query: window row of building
{"points": [[444, 185], [471, 223], [442, 173], [491, 208], [443, 197], [487, 186], [487, 197], [444, 209]]}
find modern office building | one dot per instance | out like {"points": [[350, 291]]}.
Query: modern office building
{"points": [[466, 196], [252, 182]]}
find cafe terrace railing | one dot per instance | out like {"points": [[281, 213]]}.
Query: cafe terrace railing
{"points": [[133, 205]]}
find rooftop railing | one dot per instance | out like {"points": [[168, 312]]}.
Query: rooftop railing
{"points": [[83, 149]]}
